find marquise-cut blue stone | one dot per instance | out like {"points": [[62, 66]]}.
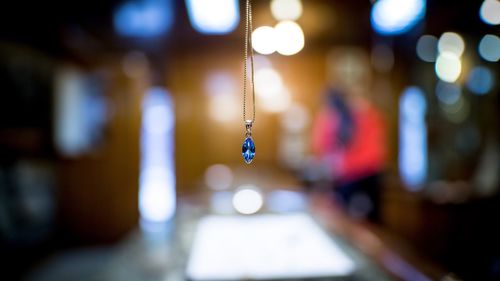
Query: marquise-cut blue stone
{"points": [[248, 150]]}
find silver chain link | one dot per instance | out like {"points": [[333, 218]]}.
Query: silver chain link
{"points": [[248, 44]]}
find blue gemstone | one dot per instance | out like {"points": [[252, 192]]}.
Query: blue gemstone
{"points": [[248, 150]]}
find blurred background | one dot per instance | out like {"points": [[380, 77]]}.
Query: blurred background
{"points": [[376, 133]]}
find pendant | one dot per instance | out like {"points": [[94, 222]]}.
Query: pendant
{"points": [[248, 147]]}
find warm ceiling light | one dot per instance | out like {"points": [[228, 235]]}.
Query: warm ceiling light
{"points": [[263, 40], [286, 9], [451, 42], [448, 67], [214, 16], [289, 38]]}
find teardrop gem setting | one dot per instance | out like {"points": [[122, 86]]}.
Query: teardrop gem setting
{"points": [[248, 150]]}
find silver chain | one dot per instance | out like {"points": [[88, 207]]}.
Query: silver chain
{"points": [[248, 44]]}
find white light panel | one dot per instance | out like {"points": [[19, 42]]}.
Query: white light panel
{"points": [[264, 247]]}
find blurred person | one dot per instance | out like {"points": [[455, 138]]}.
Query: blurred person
{"points": [[349, 136]]}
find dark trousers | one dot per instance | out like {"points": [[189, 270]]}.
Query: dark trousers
{"points": [[361, 197]]}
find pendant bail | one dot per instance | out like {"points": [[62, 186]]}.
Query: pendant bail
{"points": [[248, 126]]}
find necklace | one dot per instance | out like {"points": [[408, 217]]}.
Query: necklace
{"points": [[248, 147]]}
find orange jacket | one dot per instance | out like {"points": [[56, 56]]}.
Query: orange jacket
{"points": [[364, 155]]}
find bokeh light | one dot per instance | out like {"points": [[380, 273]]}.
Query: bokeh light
{"points": [[427, 49], [157, 169], [221, 202], [73, 128], [273, 96], [223, 102], [413, 104], [451, 42], [412, 138], [456, 112], [289, 38], [213, 17], [158, 119], [156, 194], [276, 101], [295, 119], [448, 67], [489, 48], [267, 82], [284, 201], [223, 107], [266, 247], [490, 12], [220, 81], [448, 93], [260, 62], [292, 149], [264, 40], [286, 9], [144, 19], [394, 17], [480, 80], [247, 200], [218, 177], [348, 67]]}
